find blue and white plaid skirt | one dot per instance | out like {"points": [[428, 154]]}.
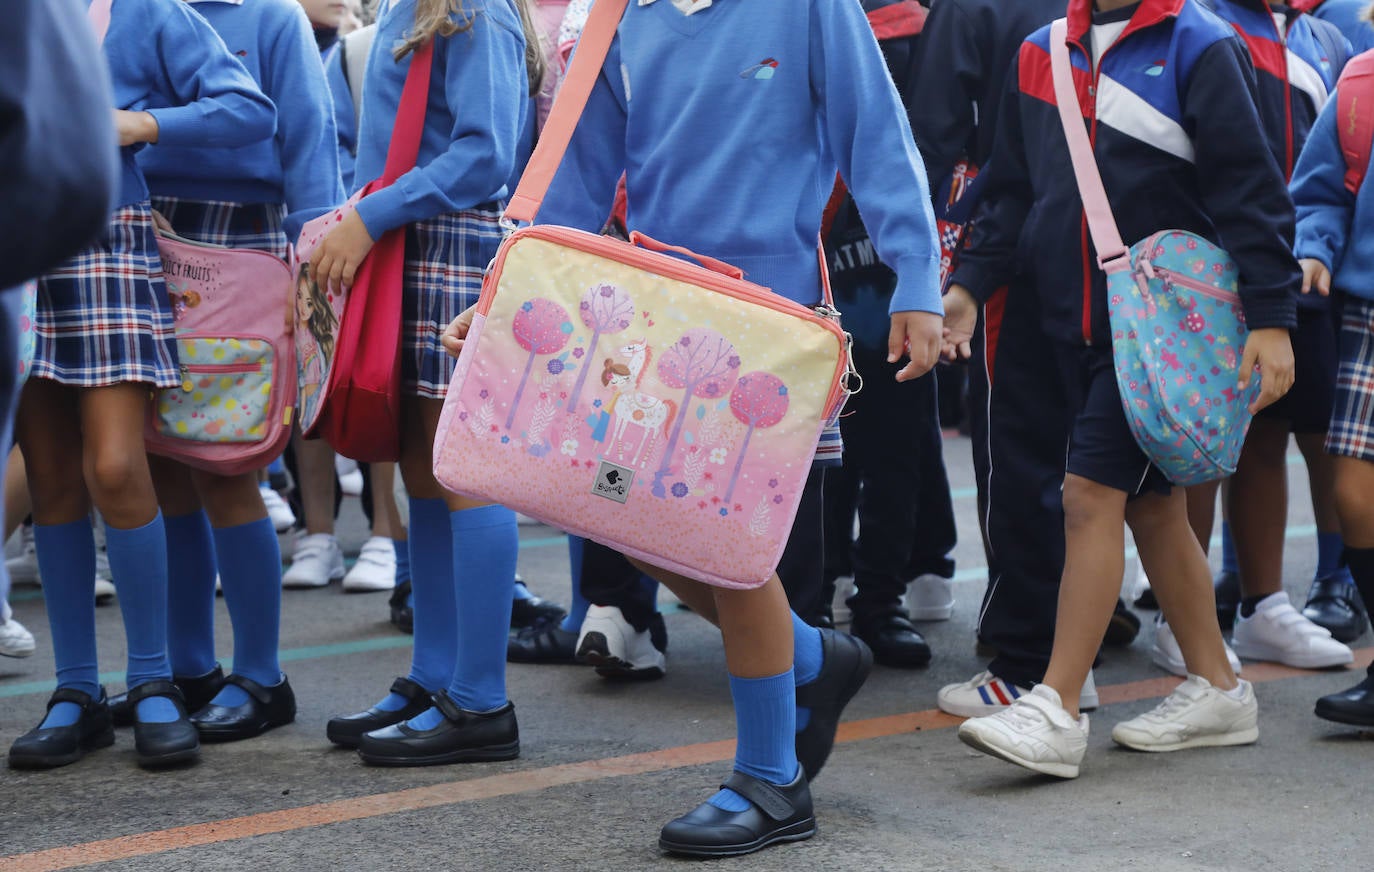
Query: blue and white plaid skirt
{"points": [[236, 225], [446, 258], [103, 317], [1352, 418]]}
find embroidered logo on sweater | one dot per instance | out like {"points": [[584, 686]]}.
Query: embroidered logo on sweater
{"points": [[764, 69], [1155, 69]]}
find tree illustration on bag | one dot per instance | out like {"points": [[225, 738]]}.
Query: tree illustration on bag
{"points": [[758, 400], [605, 309], [702, 363], [541, 327]]}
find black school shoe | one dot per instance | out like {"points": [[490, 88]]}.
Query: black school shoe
{"points": [[1354, 706], [167, 744], [348, 730], [1123, 627], [844, 669], [461, 737], [402, 615], [893, 639], [58, 746], [1334, 603], [534, 611], [545, 642], [778, 813], [266, 707], [196, 690]]}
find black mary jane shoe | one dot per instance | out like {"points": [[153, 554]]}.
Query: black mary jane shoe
{"points": [[265, 708], [164, 744], [41, 748], [348, 730], [1354, 706], [461, 737], [196, 690], [777, 813], [546, 642], [844, 669], [1334, 604], [402, 614], [534, 611], [894, 640]]}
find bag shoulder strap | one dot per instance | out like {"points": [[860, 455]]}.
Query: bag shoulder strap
{"points": [[567, 109], [1355, 118], [404, 149], [356, 47], [99, 16], [1112, 254]]}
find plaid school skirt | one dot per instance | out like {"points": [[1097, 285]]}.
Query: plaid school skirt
{"points": [[446, 258], [236, 225], [1352, 419], [103, 317]]}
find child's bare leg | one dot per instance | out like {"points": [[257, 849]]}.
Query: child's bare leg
{"points": [[699, 597], [1257, 504], [1094, 562], [1202, 511], [17, 502], [1354, 484], [1183, 582], [315, 467]]}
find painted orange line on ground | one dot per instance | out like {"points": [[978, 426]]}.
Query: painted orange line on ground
{"points": [[508, 784]]}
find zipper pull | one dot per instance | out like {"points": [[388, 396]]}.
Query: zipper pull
{"points": [[186, 383]]}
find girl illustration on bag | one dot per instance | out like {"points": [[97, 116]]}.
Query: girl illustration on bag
{"points": [[314, 344]]}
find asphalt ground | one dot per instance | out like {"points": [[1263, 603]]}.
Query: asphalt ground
{"points": [[603, 766]]}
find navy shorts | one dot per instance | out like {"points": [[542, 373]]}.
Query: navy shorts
{"points": [[1102, 448], [1316, 355]]}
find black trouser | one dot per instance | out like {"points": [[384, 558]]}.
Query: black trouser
{"points": [[894, 478], [1020, 482], [608, 579]]}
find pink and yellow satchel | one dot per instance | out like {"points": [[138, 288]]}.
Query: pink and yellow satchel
{"points": [[664, 408]]}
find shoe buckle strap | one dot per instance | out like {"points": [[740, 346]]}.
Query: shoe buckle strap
{"points": [[767, 797], [1054, 714], [446, 705], [250, 687], [71, 695], [157, 688], [409, 689]]}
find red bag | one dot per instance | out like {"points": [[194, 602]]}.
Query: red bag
{"points": [[350, 369], [1355, 120]]}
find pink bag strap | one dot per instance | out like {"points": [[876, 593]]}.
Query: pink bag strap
{"points": [[99, 16], [567, 109], [1112, 254], [404, 149]]}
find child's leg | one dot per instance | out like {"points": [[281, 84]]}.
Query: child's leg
{"points": [[1321, 478], [1094, 562], [1182, 582], [1257, 506], [191, 571], [18, 506], [578, 605], [1354, 484], [1202, 511]]}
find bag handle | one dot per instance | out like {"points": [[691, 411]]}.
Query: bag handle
{"points": [[567, 109], [720, 266], [99, 16], [404, 149], [1112, 254]]}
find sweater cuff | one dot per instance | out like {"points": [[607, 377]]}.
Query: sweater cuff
{"points": [[918, 286], [981, 280], [383, 210], [1314, 249], [1270, 308], [178, 126]]}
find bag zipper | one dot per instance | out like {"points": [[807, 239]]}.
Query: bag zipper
{"points": [[1172, 277], [214, 369]]}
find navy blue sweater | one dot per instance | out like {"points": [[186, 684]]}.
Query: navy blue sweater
{"points": [[1179, 143]]}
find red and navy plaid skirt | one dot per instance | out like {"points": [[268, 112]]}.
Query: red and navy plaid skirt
{"points": [[1352, 419], [236, 225], [446, 258], [103, 317]]}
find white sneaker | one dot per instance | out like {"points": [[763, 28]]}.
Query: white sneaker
{"points": [[1168, 656], [350, 476], [318, 560], [930, 598], [104, 587], [278, 510], [23, 567], [986, 694], [1195, 715], [1035, 732], [375, 569], [839, 610], [610, 643], [15, 640], [1279, 632]]}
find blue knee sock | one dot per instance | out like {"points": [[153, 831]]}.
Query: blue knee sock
{"points": [[138, 564], [277, 467], [577, 609], [190, 594], [765, 710], [434, 591], [807, 657], [1329, 551], [249, 565], [402, 560], [66, 560], [1229, 563]]}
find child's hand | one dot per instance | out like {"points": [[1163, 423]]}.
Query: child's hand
{"points": [[457, 331], [1316, 276], [961, 317], [1270, 350], [917, 334], [135, 127], [337, 258], [161, 223]]}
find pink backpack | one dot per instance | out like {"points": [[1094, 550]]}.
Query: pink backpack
{"points": [[1355, 117], [233, 410]]}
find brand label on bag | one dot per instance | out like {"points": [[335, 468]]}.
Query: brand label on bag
{"points": [[613, 482]]}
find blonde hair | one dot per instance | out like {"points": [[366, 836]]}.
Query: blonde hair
{"points": [[1369, 13], [435, 18]]}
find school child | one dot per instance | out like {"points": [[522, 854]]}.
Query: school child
{"points": [[676, 85], [256, 198], [1336, 249], [104, 337], [1297, 60], [1347, 15], [452, 707], [1201, 164]]}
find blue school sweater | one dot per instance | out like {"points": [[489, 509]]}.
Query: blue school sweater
{"points": [[298, 167], [478, 101], [1334, 226], [1348, 15], [345, 118], [730, 124], [168, 61]]}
